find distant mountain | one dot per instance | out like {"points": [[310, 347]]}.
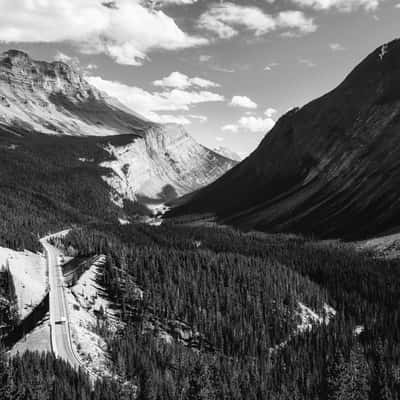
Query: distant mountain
{"points": [[157, 162], [331, 168], [228, 153]]}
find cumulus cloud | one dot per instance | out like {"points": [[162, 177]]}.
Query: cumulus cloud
{"points": [[243, 101], [126, 30], [151, 104], [341, 5], [270, 112], [253, 123], [256, 124], [182, 81], [225, 20], [230, 128]]}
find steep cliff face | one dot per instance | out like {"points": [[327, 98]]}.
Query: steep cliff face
{"points": [[155, 163], [166, 163], [54, 98], [330, 168]]}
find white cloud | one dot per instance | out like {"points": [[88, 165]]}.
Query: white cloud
{"points": [[230, 128], [270, 112], [243, 101], [336, 47], [256, 125], [225, 20], [150, 104], [161, 3], [252, 123], [296, 20], [341, 5], [308, 63], [182, 81], [124, 29], [201, 118], [271, 66]]}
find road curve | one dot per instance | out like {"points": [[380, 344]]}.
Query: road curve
{"points": [[60, 330]]}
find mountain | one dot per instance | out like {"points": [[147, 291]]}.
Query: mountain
{"points": [[330, 168], [228, 153], [154, 163]]}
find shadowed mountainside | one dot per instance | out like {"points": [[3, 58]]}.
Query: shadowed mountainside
{"points": [[330, 168]]}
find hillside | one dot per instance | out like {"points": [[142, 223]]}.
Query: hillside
{"points": [[155, 162], [330, 168]]}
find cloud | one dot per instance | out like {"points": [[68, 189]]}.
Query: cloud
{"points": [[336, 47], [256, 124], [225, 20], [296, 20], [270, 112], [230, 128], [182, 81], [340, 5], [250, 122], [125, 30], [161, 3], [308, 63], [271, 66], [243, 101], [150, 104], [200, 118]]}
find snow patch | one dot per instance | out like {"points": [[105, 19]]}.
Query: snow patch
{"points": [[88, 307], [358, 330], [384, 51], [309, 318], [29, 271]]}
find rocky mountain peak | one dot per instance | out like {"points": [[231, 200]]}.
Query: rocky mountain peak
{"points": [[17, 68]]}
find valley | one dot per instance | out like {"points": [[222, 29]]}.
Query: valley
{"points": [[136, 263]]}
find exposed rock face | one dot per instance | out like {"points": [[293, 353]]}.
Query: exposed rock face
{"points": [[159, 162], [228, 153], [330, 168], [165, 164], [18, 69], [54, 98]]}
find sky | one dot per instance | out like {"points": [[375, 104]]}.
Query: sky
{"points": [[227, 70]]}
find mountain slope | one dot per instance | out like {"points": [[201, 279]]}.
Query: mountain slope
{"points": [[154, 162], [330, 168]]}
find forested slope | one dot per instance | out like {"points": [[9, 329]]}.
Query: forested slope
{"points": [[240, 292]]}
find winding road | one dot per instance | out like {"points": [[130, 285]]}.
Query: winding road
{"points": [[59, 321]]}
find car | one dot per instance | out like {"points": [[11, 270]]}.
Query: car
{"points": [[60, 321]]}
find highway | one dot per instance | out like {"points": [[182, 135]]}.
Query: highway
{"points": [[59, 320]]}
